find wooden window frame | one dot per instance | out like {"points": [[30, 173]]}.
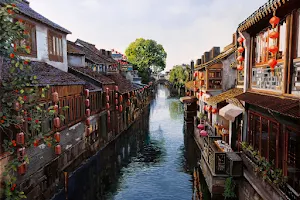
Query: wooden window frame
{"points": [[53, 55], [31, 41]]}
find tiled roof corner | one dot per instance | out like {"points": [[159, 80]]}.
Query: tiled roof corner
{"points": [[72, 48], [123, 84]]}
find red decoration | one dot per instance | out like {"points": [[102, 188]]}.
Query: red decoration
{"points": [[194, 82], [108, 113], [116, 95], [55, 108], [121, 98], [117, 107], [116, 88], [58, 149], [117, 101], [108, 119], [57, 137], [128, 102], [274, 21], [87, 131], [87, 112], [107, 106], [107, 90], [201, 126], [195, 74], [86, 93], [22, 169], [273, 49], [272, 63], [121, 108], [241, 49], [203, 133], [88, 122], [240, 67], [240, 58], [17, 106], [274, 35], [214, 110], [56, 122], [87, 103], [107, 98], [20, 138], [240, 40], [21, 154], [55, 98]]}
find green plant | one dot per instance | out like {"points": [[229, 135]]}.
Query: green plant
{"points": [[202, 116], [244, 145], [229, 191]]}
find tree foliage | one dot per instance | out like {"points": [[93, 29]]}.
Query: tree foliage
{"points": [[179, 75], [146, 54]]}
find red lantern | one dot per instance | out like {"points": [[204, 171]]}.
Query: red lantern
{"points": [[240, 58], [55, 98], [108, 120], [274, 35], [121, 98], [116, 88], [107, 98], [116, 95], [201, 74], [108, 113], [58, 149], [273, 49], [56, 122], [116, 101], [194, 82], [107, 90], [121, 108], [209, 108], [274, 21], [241, 49], [214, 110], [87, 103], [272, 63], [240, 67], [86, 93], [57, 137], [88, 122], [87, 112], [20, 138], [22, 169], [107, 106], [195, 74], [117, 107], [17, 106], [240, 40], [128, 102], [21, 153], [87, 131]]}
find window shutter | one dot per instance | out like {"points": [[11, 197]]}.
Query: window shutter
{"points": [[50, 44]]}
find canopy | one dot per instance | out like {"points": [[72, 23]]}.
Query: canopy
{"points": [[230, 112]]}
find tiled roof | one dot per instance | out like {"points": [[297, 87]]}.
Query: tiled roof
{"points": [[72, 48], [224, 96], [95, 75], [261, 12], [47, 74], [93, 48], [25, 9], [285, 106], [91, 56], [217, 59], [123, 84]]}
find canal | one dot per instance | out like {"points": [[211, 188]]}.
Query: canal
{"points": [[154, 160]]}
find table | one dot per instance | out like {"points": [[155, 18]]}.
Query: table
{"points": [[223, 146]]}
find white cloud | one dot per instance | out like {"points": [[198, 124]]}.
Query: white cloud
{"points": [[186, 28]]}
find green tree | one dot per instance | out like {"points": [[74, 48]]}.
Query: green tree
{"points": [[179, 75], [146, 55]]}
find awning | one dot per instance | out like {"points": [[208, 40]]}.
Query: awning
{"points": [[230, 112], [224, 96], [190, 85], [188, 99]]}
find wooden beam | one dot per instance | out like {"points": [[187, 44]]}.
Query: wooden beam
{"points": [[288, 60], [249, 86]]}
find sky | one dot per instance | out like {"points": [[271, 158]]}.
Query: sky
{"points": [[185, 28]]}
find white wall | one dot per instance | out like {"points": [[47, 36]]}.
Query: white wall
{"points": [[76, 61], [42, 47]]}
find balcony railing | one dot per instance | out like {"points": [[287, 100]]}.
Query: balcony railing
{"points": [[264, 78]]}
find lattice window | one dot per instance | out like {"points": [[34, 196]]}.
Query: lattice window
{"points": [[55, 46], [263, 78]]}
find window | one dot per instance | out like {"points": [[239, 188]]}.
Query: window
{"points": [[298, 33], [55, 47], [29, 42]]}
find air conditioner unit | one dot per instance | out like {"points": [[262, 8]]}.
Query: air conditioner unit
{"points": [[234, 164]]}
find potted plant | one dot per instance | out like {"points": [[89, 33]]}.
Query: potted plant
{"points": [[229, 190]]}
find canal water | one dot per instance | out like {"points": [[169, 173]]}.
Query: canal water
{"points": [[154, 162]]}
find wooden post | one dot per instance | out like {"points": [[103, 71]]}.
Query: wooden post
{"points": [[66, 184], [288, 55]]}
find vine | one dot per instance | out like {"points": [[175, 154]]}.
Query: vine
{"points": [[20, 111]]}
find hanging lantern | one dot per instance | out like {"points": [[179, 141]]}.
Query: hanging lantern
{"points": [[272, 63], [201, 126], [58, 149], [195, 74], [241, 49], [203, 133], [274, 35], [57, 137], [55, 98], [108, 119], [87, 112], [87, 131], [194, 83], [116, 95], [87, 122], [107, 98], [240, 58], [214, 110], [22, 169], [20, 138], [107, 106], [107, 90], [117, 107], [116, 88], [108, 113], [274, 21], [121, 98], [240, 40], [21, 154], [240, 67], [128, 102], [56, 122], [17, 106], [87, 103], [209, 108], [273, 49], [121, 108], [86, 93], [201, 82], [116, 101]]}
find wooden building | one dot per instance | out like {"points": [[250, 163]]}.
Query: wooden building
{"points": [[272, 100]]}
